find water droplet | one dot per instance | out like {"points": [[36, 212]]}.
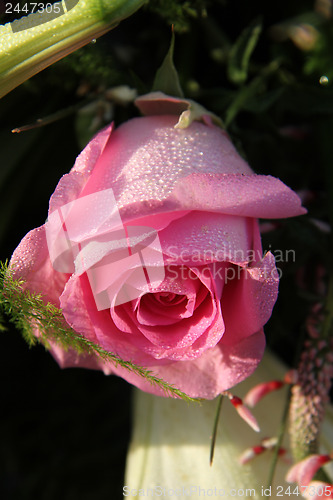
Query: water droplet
{"points": [[324, 80]]}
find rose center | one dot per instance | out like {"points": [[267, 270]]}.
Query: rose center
{"points": [[169, 298]]}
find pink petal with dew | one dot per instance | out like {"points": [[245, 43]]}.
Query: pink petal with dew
{"points": [[201, 237], [119, 331], [317, 490], [70, 185], [248, 298], [152, 310], [80, 311], [167, 307], [302, 472], [187, 342], [258, 196], [142, 318], [87, 159], [155, 168], [256, 241], [182, 340], [146, 157], [215, 371], [159, 221], [259, 391], [31, 262]]}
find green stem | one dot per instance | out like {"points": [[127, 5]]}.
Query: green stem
{"points": [[214, 435], [58, 115], [28, 51], [281, 433]]}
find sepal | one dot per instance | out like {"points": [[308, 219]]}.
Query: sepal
{"points": [[158, 103]]}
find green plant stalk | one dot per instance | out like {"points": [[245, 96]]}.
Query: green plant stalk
{"points": [[216, 423], [281, 433], [28, 51], [248, 92]]}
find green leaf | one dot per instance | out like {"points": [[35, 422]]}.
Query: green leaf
{"points": [[262, 103], [28, 312], [34, 42], [241, 52], [166, 78]]}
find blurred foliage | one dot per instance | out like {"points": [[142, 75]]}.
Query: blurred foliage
{"points": [[178, 13], [266, 69], [95, 66]]}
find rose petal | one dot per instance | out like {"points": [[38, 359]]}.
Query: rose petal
{"points": [[71, 359], [147, 159], [31, 262], [80, 311], [181, 334], [201, 237], [153, 312], [185, 339], [71, 185], [177, 281], [216, 370], [248, 298], [159, 221], [259, 196], [195, 335]]}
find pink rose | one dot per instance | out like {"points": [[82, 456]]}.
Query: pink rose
{"points": [[166, 217]]}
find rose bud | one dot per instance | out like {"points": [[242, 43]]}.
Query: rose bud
{"points": [[152, 250]]}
